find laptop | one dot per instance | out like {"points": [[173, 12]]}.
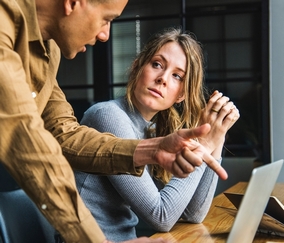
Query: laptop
{"points": [[254, 202]]}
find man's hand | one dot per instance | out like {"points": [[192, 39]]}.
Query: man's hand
{"points": [[178, 152]]}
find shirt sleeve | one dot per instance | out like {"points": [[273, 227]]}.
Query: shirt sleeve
{"points": [[85, 148], [31, 153]]}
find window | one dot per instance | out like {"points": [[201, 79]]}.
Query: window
{"points": [[232, 34], [231, 40]]}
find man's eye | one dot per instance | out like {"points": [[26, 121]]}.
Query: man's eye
{"points": [[107, 21]]}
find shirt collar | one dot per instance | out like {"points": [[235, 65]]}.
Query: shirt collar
{"points": [[28, 8]]}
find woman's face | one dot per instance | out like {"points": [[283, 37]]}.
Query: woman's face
{"points": [[161, 82]]}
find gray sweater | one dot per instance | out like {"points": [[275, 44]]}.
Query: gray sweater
{"points": [[116, 200]]}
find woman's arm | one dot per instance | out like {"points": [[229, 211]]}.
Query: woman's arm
{"points": [[160, 209], [200, 203]]}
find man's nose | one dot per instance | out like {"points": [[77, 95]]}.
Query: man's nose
{"points": [[103, 35]]}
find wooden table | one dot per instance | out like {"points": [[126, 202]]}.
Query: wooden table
{"points": [[217, 223]]}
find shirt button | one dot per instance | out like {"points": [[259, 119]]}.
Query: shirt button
{"points": [[33, 94], [43, 206]]}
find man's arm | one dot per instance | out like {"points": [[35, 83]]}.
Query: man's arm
{"points": [[29, 152], [178, 152], [85, 148]]}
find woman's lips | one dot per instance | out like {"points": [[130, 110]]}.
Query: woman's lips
{"points": [[156, 92]]}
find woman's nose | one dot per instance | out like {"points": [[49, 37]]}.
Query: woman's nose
{"points": [[160, 80]]}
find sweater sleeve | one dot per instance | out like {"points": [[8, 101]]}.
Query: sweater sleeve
{"points": [[200, 203], [189, 198], [160, 209]]}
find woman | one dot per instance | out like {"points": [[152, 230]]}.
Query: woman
{"points": [[164, 94]]}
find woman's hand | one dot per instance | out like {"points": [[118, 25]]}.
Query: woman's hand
{"points": [[178, 152], [221, 114]]}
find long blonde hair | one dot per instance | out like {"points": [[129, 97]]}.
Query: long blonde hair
{"points": [[188, 113]]}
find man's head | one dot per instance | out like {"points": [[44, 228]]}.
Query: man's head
{"points": [[73, 24]]}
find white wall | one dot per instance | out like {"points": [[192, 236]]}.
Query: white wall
{"points": [[277, 81]]}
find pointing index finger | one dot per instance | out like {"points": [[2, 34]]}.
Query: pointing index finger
{"points": [[214, 165]]}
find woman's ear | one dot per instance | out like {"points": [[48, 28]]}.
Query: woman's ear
{"points": [[180, 98], [135, 63]]}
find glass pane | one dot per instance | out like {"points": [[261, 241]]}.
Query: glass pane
{"points": [[150, 27], [246, 131], [239, 55], [206, 3], [242, 74], [238, 26], [206, 28], [70, 74], [124, 44], [145, 8], [213, 56]]}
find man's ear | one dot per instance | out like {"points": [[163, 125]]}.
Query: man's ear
{"points": [[70, 5]]}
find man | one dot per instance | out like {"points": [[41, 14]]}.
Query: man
{"points": [[39, 132]]}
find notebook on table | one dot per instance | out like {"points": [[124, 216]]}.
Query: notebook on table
{"points": [[251, 206], [272, 221]]}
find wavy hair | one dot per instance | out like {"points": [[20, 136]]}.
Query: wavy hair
{"points": [[188, 112]]}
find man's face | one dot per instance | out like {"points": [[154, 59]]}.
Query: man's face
{"points": [[86, 23]]}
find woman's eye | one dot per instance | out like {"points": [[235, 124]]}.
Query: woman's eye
{"points": [[156, 65], [178, 76]]}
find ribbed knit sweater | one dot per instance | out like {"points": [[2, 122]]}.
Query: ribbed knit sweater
{"points": [[116, 200]]}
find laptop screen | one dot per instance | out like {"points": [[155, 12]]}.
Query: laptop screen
{"points": [[254, 202]]}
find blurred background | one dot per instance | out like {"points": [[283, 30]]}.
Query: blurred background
{"points": [[243, 49]]}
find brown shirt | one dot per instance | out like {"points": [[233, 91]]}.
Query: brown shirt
{"points": [[39, 132]]}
